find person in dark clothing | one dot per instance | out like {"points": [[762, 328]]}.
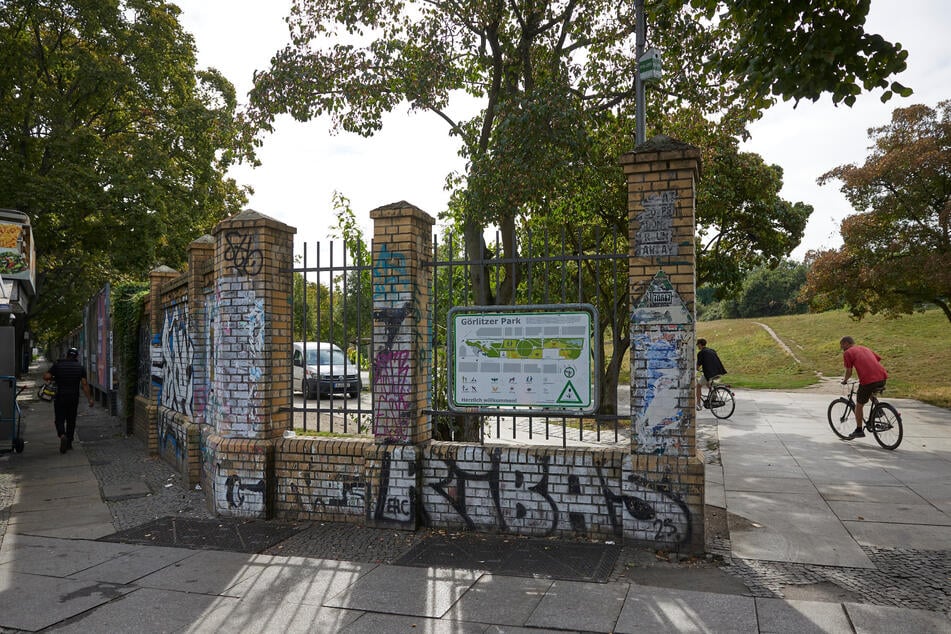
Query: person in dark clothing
{"points": [[710, 367], [70, 377]]}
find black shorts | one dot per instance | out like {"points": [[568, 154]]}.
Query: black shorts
{"points": [[865, 391]]}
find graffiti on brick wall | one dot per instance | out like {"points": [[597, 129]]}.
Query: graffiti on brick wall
{"points": [[392, 367], [492, 492], [343, 493], [172, 365], [236, 491], [237, 332], [241, 254], [655, 236], [395, 500], [662, 373], [172, 441]]}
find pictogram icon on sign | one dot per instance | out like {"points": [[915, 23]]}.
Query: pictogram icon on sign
{"points": [[569, 394]]}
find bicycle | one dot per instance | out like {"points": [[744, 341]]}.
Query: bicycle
{"points": [[883, 420], [719, 399]]}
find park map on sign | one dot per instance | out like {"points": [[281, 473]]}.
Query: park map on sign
{"points": [[561, 348]]}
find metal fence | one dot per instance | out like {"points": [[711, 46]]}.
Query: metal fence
{"points": [[588, 265], [332, 305], [585, 265]]}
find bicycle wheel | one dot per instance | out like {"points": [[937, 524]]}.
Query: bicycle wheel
{"points": [[886, 426], [721, 402], [841, 418]]}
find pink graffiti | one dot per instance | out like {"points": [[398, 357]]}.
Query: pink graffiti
{"points": [[391, 389]]}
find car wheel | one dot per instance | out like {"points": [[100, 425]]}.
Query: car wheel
{"points": [[305, 389]]}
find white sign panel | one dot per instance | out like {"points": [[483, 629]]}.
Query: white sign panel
{"points": [[522, 358]]}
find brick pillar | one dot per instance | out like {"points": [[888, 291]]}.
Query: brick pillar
{"points": [[402, 368], [201, 256], [661, 176], [402, 362], [251, 351], [158, 277]]}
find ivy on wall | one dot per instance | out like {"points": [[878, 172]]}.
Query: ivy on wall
{"points": [[128, 300]]}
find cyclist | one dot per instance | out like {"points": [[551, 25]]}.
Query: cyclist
{"points": [[871, 374], [710, 367]]}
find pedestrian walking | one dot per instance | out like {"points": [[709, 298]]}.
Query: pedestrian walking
{"points": [[70, 377]]}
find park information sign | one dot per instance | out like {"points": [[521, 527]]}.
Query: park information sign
{"points": [[522, 358]]}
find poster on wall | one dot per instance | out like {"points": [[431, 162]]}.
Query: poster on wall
{"points": [[17, 252], [522, 358]]}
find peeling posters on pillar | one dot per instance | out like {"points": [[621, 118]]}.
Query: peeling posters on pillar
{"points": [[662, 337]]}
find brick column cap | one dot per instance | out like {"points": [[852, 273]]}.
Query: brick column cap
{"points": [[163, 271], [250, 218], [207, 241], [663, 148], [402, 206]]}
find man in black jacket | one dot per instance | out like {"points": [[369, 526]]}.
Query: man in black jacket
{"points": [[710, 366], [70, 376]]}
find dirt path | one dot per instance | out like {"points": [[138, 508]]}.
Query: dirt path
{"points": [[826, 385]]}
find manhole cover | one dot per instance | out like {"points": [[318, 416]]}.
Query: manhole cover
{"points": [[515, 556], [236, 535]]}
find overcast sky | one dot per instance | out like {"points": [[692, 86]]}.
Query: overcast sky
{"points": [[303, 164]]}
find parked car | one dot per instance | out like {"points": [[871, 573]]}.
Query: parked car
{"points": [[322, 369]]}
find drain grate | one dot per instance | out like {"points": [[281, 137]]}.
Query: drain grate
{"points": [[236, 535], [515, 556]]}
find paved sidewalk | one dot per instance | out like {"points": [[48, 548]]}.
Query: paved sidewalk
{"points": [[816, 527]]}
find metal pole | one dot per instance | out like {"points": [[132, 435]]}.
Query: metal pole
{"points": [[640, 35]]}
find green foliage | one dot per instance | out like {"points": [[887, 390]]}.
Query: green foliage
{"points": [[801, 49], [765, 291], [896, 252], [353, 298], [111, 141], [127, 301]]}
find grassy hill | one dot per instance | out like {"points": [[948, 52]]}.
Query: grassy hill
{"points": [[914, 349]]}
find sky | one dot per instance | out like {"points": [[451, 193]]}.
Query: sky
{"points": [[303, 164]]}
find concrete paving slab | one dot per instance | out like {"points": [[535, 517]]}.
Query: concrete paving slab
{"points": [[880, 618], [778, 616], [371, 623], [55, 505], [405, 590], [147, 610], [573, 605], [82, 488], [785, 527], [764, 485], [885, 535], [206, 572], [139, 563], [114, 492], [56, 557], [33, 602], [500, 600], [43, 477], [936, 492], [298, 580], [854, 492], [226, 615], [890, 513], [666, 610], [73, 522]]}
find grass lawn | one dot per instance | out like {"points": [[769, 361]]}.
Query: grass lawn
{"points": [[911, 348]]}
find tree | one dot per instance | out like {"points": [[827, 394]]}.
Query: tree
{"points": [[112, 141], [546, 74], [896, 251]]}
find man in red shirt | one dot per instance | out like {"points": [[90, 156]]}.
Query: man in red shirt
{"points": [[871, 375]]}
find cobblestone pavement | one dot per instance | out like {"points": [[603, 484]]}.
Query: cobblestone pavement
{"points": [[901, 577]]}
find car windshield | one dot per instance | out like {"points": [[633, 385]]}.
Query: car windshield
{"points": [[323, 356]]}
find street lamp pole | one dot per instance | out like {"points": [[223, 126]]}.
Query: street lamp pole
{"points": [[640, 36]]}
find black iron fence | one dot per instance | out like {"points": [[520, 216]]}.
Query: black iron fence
{"points": [[333, 306]]}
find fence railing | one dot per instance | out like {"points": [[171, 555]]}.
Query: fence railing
{"points": [[585, 266]]}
